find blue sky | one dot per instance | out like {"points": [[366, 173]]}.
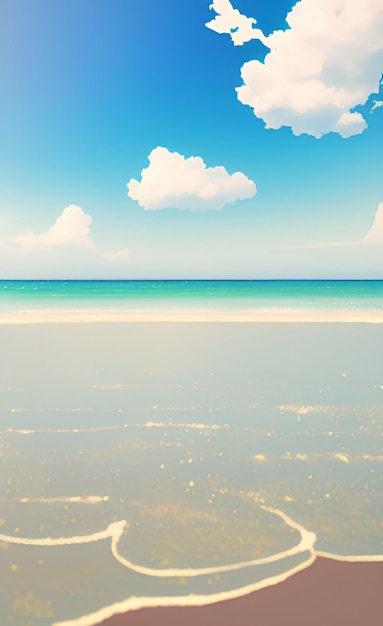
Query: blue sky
{"points": [[92, 89]]}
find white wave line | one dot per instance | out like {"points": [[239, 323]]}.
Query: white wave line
{"points": [[135, 603], [306, 543], [63, 499], [352, 558], [192, 425], [28, 431], [115, 529]]}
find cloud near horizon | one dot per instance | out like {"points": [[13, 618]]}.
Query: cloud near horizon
{"points": [[172, 181], [372, 238], [71, 229], [375, 234], [327, 63]]}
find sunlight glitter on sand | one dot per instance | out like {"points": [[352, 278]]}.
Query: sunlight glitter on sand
{"points": [[120, 368]]}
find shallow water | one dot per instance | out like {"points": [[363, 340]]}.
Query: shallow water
{"points": [[160, 460]]}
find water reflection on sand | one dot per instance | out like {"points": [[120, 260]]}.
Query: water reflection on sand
{"points": [[168, 459]]}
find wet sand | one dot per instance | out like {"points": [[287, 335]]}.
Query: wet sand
{"points": [[329, 593]]}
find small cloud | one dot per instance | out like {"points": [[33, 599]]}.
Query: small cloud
{"points": [[326, 63], [230, 21], [174, 181], [71, 229], [376, 105]]}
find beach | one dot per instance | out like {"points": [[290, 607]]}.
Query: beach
{"points": [[328, 593], [219, 472]]}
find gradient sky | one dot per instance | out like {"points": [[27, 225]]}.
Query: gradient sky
{"points": [[91, 89]]}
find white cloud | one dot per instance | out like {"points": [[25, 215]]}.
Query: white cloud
{"points": [[173, 181], [375, 234], [230, 21], [329, 61], [376, 105], [71, 229]]}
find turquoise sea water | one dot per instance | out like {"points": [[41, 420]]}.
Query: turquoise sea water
{"points": [[206, 294], [181, 463]]}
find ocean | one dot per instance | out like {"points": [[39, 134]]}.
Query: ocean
{"points": [[150, 463], [191, 294]]}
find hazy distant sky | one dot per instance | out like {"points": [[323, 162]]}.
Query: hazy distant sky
{"points": [[264, 131]]}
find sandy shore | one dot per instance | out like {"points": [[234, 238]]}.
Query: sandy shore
{"points": [[69, 316], [329, 593]]}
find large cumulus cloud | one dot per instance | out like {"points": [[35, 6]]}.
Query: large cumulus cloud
{"points": [[174, 181]]}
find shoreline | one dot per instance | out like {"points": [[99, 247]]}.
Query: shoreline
{"points": [[337, 593], [327, 592], [274, 315]]}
